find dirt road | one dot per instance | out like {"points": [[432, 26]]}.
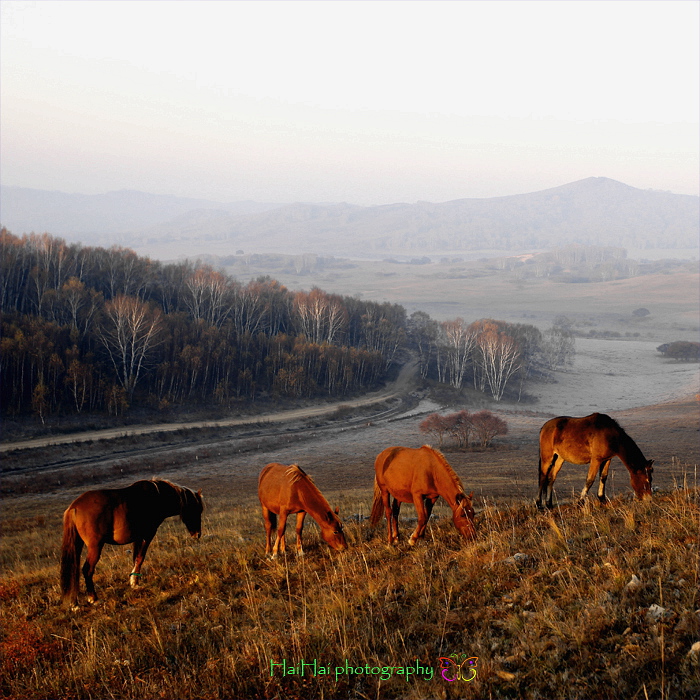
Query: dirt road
{"points": [[396, 389]]}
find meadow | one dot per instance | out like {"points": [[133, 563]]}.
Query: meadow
{"points": [[543, 600], [573, 603]]}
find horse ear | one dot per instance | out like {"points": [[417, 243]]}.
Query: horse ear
{"points": [[329, 517], [199, 493], [470, 496], [337, 510]]}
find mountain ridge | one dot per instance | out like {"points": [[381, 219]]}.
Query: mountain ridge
{"points": [[592, 211]]}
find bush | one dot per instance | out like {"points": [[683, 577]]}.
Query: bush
{"points": [[462, 425], [486, 426], [681, 350]]}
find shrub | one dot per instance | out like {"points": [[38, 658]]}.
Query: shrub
{"points": [[486, 426]]}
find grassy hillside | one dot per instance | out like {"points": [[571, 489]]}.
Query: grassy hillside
{"points": [[559, 620]]}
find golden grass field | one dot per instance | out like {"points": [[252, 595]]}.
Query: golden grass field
{"points": [[212, 615], [557, 621]]}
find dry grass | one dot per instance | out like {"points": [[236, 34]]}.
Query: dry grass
{"points": [[211, 615]]}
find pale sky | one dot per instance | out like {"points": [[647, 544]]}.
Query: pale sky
{"points": [[368, 102]]}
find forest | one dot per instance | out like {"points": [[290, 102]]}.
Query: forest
{"points": [[91, 329]]}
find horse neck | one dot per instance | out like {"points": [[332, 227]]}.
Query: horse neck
{"points": [[449, 485], [312, 499], [171, 498], [630, 454]]}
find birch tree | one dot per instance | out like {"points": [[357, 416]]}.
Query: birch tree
{"points": [[130, 332]]}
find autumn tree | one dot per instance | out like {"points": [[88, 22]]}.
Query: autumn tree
{"points": [[434, 425], [486, 426]]}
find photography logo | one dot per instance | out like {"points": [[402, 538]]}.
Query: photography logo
{"points": [[458, 667]]}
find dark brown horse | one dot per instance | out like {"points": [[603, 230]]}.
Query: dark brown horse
{"points": [[286, 489], [593, 440], [121, 516], [418, 476]]}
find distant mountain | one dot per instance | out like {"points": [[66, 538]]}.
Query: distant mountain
{"points": [[96, 217], [594, 211]]}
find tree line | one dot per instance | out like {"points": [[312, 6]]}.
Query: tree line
{"points": [[92, 329], [95, 329], [492, 356]]}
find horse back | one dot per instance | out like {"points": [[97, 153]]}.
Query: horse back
{"points": [[283, 486], [577, 439], [405, 470]]}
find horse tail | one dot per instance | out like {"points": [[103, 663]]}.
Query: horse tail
{"points": [[377, 505], [70, 558]]}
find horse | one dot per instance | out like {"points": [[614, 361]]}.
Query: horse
{"points": [[284, 490], [121, 516], [593, 440], [418, 476]]}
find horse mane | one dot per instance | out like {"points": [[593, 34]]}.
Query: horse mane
{"points": [[296, 473], [602, 420], [446, 465], [625, 442], [183, 494]]}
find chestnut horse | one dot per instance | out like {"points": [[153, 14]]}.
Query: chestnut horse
{"points": [[121, 516], [287, 489], [418, 476], [593, 440]]}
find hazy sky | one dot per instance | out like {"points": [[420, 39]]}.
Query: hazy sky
{"points": [[365, 102]]}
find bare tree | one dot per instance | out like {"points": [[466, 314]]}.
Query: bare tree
{"points": [[130, 332], [459, 340], [435, 425], [486, 426], [499, 357]]}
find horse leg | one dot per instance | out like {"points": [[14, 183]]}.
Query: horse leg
{"points": [[551, 478], [270, 520], [593, 468], [300, 526], [544, 474], [280, 545], [419, 501], [604, 467], [140, 549], [93, 556], [395, 509], [386, 501]]}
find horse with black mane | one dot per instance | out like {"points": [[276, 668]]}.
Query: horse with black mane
{"points": [[592, 440], [121, 516]]}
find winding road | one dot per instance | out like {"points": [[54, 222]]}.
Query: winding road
{"points": [[399, 387]]}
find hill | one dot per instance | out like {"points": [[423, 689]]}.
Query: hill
{"points": [[103, 218], [594, 211]]}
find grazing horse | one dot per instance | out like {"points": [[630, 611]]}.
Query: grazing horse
{"points": [[418, 476], [121, 516], [593, 440], [287, 489]]}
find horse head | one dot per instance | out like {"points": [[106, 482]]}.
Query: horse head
{"points": [[191, 513], [641, 480], [332, 531], [463, 515]]}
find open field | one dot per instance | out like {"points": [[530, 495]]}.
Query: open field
{"points": [[477, 289], [212, 615], [558, 621]]}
